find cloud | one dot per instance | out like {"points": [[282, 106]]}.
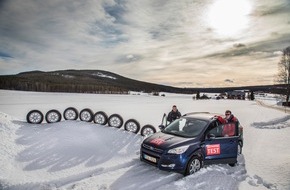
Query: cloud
{"points": [[272, 8], [165, 42], [278, 53], [239, 45]]}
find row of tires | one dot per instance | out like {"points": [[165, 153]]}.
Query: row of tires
{"points": [[87, 115]]}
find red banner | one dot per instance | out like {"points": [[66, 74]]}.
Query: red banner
{"points": [[213, 149]]}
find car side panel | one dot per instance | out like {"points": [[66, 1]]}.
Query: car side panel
{"points": [[218, 150]]}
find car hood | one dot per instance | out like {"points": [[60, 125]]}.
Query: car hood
{"points": [[165, 141]]}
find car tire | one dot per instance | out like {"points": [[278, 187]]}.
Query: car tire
{"points": [[132, 125], [53, 116], [232, 164], [70, 113], [100, 118], [194, 165], [115, 120], [34, 117], [86, 115], [147, 130], [240, 147]]}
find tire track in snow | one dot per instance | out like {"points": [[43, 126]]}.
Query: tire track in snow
{"points": [[258, 181], [284, 109], [71, 181], [279, 123]]}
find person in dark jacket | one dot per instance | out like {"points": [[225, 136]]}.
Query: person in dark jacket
{"points": [[174, 114]]}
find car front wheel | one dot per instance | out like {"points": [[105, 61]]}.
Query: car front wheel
{"points": [[193, 165]]}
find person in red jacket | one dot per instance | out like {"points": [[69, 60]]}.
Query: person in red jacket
{"points": [[229, 117], [229, 122]]}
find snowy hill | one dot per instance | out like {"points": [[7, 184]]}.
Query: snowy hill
{"points": [[79, 81], [104, 82], [81, 155]]}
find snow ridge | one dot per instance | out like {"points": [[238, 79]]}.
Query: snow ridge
{"points": [[99, 74], [279, 123]]}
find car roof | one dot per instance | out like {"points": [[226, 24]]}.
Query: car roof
{"points": [[202, 115]]}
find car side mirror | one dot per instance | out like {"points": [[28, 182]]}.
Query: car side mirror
{"points": [[161, 127]]}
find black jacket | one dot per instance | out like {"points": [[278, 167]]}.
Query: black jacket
{"points": [[173, 115]]}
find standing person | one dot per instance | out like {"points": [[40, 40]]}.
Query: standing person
{"points": [[174, 114], [230, 117]]}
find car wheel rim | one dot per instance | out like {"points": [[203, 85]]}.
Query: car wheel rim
{"points": [[115, 122], [35, 117], [53, 117], [86, 116], [100, 119], [147, 132], [70, 114], [131, 126], [194, 166]]}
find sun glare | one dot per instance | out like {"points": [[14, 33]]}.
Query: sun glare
{"points": [[229, 17]]}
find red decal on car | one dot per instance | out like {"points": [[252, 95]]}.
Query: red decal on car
{"points": [[213, 149], [157, 141]]}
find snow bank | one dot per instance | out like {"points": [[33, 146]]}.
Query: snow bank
{"points": [[80, 155]]}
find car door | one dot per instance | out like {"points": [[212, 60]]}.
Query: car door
{"points": [[221, 143]]}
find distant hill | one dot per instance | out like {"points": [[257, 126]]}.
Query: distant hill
{"points": [[98, 81], [82, 81]]}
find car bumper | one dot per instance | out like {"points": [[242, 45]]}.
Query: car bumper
{"points": [[167, 162]]}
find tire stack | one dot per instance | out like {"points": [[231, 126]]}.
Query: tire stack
{"points": [[87, 115]]}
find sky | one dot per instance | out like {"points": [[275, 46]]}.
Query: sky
{"points": [[189, 43]]}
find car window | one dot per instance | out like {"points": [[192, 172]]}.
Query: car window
{"points": [[186, 127], [229, 130], [222, 130]]}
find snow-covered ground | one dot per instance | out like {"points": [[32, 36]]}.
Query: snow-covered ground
{"points": [[80, 155]]}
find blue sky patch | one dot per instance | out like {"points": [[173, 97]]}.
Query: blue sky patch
{"points": [[5, 55]]}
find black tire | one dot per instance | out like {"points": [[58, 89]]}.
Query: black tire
{"points": [[53, 116], [115, 120], [194, 165], [70, 113], [240, 147], [132, 125], [86, 115], [232, 164], [34, 117], [100, 118], [147, 130]]}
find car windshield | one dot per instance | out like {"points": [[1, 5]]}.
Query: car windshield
{"points": [[186, 127]]}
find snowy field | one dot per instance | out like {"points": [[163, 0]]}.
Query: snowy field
{"points": [[80, 155]]}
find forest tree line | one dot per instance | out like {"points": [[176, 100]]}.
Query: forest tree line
{"points": [[86, 81]]}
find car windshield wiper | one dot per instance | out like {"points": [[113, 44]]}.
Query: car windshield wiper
{"points": [[175, 134]]}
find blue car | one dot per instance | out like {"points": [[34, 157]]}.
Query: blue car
{"points": [[192, 141]]}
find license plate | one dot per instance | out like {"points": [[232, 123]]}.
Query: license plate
{"points": [[149, 158]]}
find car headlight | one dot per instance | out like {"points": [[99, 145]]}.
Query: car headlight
{"points": [[178, 150]]}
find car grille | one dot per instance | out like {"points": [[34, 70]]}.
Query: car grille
{"points": [[153, 149]]}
